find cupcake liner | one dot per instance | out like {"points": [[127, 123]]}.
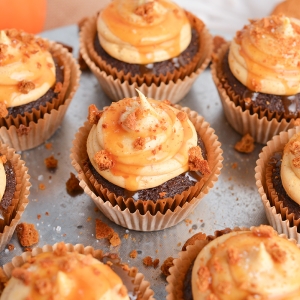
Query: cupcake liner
{"points": [[259, 124], [143, 286], [277, 215], [186, 258], [31, 130], [171, 86], [20, 200], [147, 215]]}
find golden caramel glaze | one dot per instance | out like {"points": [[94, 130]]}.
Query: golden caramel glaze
{"points": [[290, 168], [143, 32], [27, 69], [256, 264], [141, 143], [62, 277], [265, 55]]}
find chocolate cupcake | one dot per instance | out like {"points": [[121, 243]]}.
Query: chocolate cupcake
{"points": [[237, 264], [146, 159], [277, 178], [14, 192], [154, 46], [38, 81], [257, 76], [64, 271]]}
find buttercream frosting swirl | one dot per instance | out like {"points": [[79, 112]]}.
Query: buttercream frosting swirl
{"points": [[27, 69], [64, 276], [290, 168], [265, 55], [255, 264], [141, 142], [144, 31]]}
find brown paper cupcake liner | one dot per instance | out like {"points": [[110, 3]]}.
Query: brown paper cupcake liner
{"points": [[142, 286], [277, 215], [186, 258], [260, 125], [117, 85], [31, 130], [147, 215], [20, 200]]}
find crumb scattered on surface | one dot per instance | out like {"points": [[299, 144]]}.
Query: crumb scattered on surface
{"points": [[10, 247], [51, 162], [38, 216], [103, 231], [188, 221], [133, 254], [48, 146], [27, 234], [72, 185], [42, 187], [149, 262], [234, 165], [27, 249], [126, 236], [167, 264], [46, 213], [245, 145]]}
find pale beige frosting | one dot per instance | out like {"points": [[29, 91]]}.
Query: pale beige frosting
{"points": [[24, 59], [255, 264], [265, 55], [2, 180], [166, 140], [290, 173], [67, 277], [158, 32]]}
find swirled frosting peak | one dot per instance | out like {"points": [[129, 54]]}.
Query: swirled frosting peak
{"points": [[140, 143], [290, 168], [265, 55], [256, 264], [27, 70], [144, 31]]}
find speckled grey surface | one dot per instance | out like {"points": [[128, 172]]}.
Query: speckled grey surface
{"points": [[234, 200]]}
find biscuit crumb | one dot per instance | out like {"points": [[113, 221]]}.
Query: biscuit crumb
{"points": [[23, 130], [103, 231], [94, 114], [10, 247], [25, 87], [51, 162], [296, 162], [263, 231], [245, 145], [27, 234], [133, 254], [167, 264], [146, 11], [148, 262], [58, 87], [72, 185], [42, 187], [48, 146], [139, 143], [3, 110], [104, 160], [38, 216], [197, 162], [234, 165]]}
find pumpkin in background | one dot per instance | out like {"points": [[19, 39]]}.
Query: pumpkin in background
{"points": [[27, 15]]}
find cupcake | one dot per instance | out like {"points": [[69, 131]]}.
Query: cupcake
{"points": [[14, 192], [237, 264], [66, 272], [276, 174], [154, 46], [38, 80], [257, 77], [144, 159]]}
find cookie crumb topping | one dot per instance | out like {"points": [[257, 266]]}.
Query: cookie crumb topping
{"points": [[104, 160]]}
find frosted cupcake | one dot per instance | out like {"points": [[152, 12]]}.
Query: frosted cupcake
{"points": [[14, 192], [154, 46], [241, 264], [71, 272], [277, 175], [257, 76], [162, 159], [38, 80]]}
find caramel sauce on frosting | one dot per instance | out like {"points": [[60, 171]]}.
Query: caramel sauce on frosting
{"points": [[140, 143], [265, 55], [256, 264], [27, 69], [68, 276], [144, 31], [290, 168]]}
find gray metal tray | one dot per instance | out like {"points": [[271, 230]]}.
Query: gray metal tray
{"points": [[233, 201]]}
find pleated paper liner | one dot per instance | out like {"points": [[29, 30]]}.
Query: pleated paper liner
{"points": [[34, 128], [186, 258], [260, 124], [142, 287], [12, 215], [147, 215], [277, 215], [118, 85]]}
